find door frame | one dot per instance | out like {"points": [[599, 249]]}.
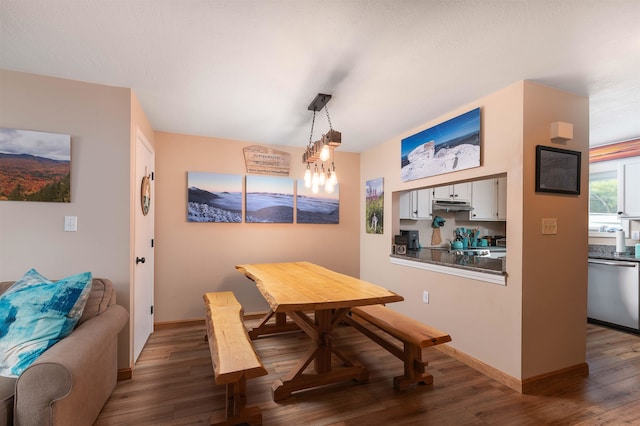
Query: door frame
{"points": [[141, 143]]}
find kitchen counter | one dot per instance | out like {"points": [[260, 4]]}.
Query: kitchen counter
{"points": [[606, 252], [614, 256], [482, 268]]}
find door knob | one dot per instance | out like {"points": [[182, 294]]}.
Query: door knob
{"points": [[140, 260]]}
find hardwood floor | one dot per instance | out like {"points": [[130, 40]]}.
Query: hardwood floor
{"points": [[173, 385]]}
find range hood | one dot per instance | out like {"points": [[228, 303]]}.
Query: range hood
{"points": [[452, 206]]}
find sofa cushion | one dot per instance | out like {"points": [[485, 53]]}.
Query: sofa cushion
{"points": [[4, 285], [35, 313], [7, 392], [99, 299]]}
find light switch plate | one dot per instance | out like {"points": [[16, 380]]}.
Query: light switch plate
{"points": [[70, 223], [549, 226]]}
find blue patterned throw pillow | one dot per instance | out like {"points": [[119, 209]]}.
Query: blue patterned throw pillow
{"points": [[35, 314]]}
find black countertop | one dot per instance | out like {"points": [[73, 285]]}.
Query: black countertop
{"points": [[614, 256], [606, 252], [494, 265], [450, 258]]}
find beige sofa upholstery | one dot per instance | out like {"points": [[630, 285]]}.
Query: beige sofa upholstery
{"points": [[69, 383]]}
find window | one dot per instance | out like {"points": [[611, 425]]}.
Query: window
{"points": [[604, 183], [603, 197]]}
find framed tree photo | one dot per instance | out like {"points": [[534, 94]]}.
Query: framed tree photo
{"points": [[557, 170]]}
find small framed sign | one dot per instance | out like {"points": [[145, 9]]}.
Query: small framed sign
{"points": [[557, 170]]}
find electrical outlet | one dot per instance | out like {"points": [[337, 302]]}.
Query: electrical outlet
{"points": [[425, 296], [549, 226], [635, 235]]}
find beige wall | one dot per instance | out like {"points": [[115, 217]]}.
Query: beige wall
{"points": [[31, 233], [194, 258], [554, 266], [502, 326]]}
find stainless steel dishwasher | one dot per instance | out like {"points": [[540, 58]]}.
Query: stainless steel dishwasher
{"points": [[614, 293]]}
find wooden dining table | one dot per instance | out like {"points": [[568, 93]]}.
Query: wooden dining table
{"points": [[295, 290]]}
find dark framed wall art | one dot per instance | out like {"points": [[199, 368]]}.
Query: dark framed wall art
{"points": [[557, 170]]}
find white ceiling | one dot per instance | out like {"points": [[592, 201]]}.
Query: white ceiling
{"points": [[248, 69]]}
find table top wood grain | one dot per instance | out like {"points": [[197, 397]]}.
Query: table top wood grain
{"points": [[296, 286]]}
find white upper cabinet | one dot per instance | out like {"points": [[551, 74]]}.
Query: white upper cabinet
{"points": [[457, 192], [423, 203], [628, 192], [416, 204], [489, 199], [405, 205]]}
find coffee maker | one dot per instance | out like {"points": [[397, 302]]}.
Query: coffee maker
{"points": [[413, 239]]}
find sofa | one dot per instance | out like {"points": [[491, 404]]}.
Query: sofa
{"points": [[72, 380]]}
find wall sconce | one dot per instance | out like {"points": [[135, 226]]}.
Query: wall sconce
{"points": [[561, 132], [321, 151]]}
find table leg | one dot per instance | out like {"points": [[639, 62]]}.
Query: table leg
{"points": [[281, 325], [320, 330]]}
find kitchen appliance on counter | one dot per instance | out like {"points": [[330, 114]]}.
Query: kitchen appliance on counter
{"points": [[413, 239], [614, 293]]}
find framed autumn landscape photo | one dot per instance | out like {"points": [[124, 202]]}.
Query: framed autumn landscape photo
{"points": [[35, 166]]}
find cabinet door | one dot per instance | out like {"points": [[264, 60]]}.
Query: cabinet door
{"points": [[423, 203], [442, 192], [461, 192], [415, 205], [483, 200], [405, 205], [629, 196]]}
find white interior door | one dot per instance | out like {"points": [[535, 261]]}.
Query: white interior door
{"points": [[143, 222]]}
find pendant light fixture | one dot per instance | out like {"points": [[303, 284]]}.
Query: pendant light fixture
{"points": [[321, 151]]}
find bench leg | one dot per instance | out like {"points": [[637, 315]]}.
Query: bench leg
{"points": [[236, 410], [414, 369]]}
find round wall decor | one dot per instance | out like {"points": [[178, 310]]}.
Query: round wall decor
{"points": [[145, 195]]}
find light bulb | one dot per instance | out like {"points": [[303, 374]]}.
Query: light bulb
{"points": [[324, 153], [315, 178], [314, 188], [328, 187], [323, 177], [334, 177], [307, 177]]}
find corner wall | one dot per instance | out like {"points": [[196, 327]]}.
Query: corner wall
{"points": [[499, 326], [31, 233]]}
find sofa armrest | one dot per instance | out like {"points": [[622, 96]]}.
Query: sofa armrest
{"points": [[71, 381]]}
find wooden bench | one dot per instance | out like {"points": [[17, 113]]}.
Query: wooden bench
{"points": [[234, 358], [413, 334]]}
